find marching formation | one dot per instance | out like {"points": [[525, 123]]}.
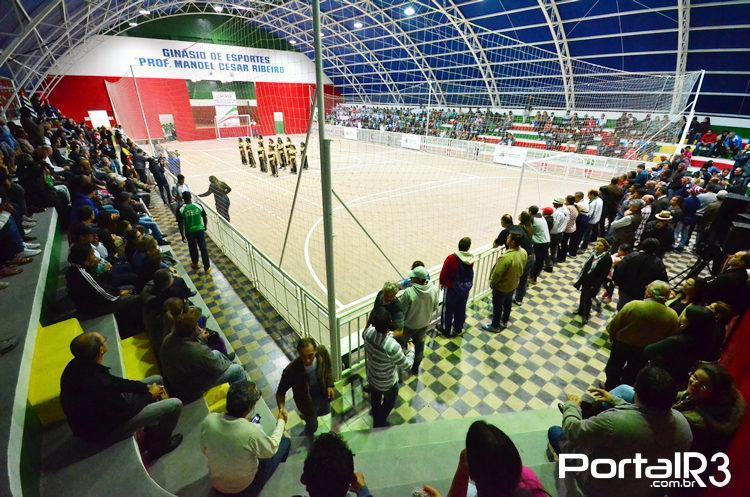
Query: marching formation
{"points": [[280, 155]]}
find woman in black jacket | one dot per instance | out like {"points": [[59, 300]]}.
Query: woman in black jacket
{"points": [[592, 277]]}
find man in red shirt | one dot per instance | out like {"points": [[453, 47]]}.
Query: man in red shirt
{"points": [[708, 140]]}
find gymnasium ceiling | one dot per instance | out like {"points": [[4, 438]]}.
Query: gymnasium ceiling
{"points": [[444, 49]]}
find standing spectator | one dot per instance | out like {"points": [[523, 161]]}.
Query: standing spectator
{"points": [[329, 469], [582, 224], [611, 195], [491, 465], [641, 176], [192, 221], [616, 434], [311, 380], [645, 216], [103, 408], [660, 203], [540, 239], [388, 299], [384, 360], [596, 207], [661, 230], [157, 170], [637, 270], [504, 280], [570, 228], [178, 189], [560, 218], [190, 367], [637, 325], [592, 276], [527, 231], [456, 280], [241, 457], [686, 225], [220, 191], [623, 230], [419, 302]]}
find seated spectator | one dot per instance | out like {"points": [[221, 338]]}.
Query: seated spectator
{"points": [[620, 432], [147, 259], [189, 366], [637, 270], [329, 469], [711, 403], [103, 408], [311, 379], [130, 211], [92, 300], [698, 338], [690, 293], [489, 466], [637, 325], [241, 457]]}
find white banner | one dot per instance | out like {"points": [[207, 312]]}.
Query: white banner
{"points": [[350, 133], [411, 141], [225, 103], [513, 156], [150, 58]]}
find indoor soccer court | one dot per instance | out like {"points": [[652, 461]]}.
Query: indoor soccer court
{"points": [[415, 206]]}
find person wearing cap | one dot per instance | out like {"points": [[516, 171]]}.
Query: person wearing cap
{"points": [[660, 229], [592, 276], [560, 218], [686, 225], [635, 326], [623, 230], [241, 457], [504, 280], [419, 303], [540, 239]]}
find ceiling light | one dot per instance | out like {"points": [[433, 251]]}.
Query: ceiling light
{"points": [[218, 8], [409, 11], [358, 25], [144, 12], [293, 42], [132, 24]]}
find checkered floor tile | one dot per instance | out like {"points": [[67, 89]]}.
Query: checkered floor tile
{"points": [[545, 351]]}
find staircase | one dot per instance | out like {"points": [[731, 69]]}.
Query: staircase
{"points": [[398, 459]]}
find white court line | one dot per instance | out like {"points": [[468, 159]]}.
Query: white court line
{"points": [[255, 177], [357, 202]]}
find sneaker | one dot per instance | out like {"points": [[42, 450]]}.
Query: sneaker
{"points": [[28, 238], [491, 329], [30, 253], [27, 231], [4, 285], [194, 265], [208, 271], [32, 246], [679, 248], [29, 219], [165, 242], [26, 225], [517, 302]]}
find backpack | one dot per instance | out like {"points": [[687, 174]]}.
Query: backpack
{"points": [[463, 281]]}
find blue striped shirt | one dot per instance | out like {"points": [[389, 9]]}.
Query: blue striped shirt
{"points": [[384, 358]]}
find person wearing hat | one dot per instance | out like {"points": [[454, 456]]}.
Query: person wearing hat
{"points": [[419, 303], [560, 218], [660, 229], [504, 280], [592, 276], [241, 457]]}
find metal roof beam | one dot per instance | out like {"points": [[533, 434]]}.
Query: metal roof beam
{"points": [[557, 31], [30, 28]]}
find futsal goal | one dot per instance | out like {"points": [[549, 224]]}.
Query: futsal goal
{"points": [[236, 126]]}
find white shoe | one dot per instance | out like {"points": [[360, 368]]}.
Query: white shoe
{"points": [[27, 225], [29, 219], [26, 231], [30, 253], [32, 246]]}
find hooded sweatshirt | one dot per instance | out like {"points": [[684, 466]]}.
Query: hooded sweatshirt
{"points": [[419, 302], [451, 266]]}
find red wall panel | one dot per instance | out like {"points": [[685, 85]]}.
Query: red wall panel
{"points": [[76, 95]]}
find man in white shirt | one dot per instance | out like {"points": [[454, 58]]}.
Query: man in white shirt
{"points": [[559, 223], [596, 205], [241, 457]]}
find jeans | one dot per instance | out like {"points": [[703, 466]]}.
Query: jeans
{"points": [[382, 404], [540, 255], [501, 305], [454, 311], [196, 242], [322, 407], [593, 234], [584, 304], [554, 246], [625, 392], [523, 282], [682, 234], [623, 365], [11, 242], [579, 235], [266, 469], [166, 195], [158, 418], [417, 336], [555, 437], [151, 226], [232, 374]]}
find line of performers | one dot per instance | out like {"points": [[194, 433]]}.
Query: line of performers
{"points": [[280, 155]]}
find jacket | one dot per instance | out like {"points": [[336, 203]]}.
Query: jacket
{"points": [[593, 278], [611, 195], [419, 303], [642, 322], [624, 229], [619, 433], [189, 366], [294, 376], [636, 271], [508, 270], [87, 295], [457, 273], [712, 424], [93, 401], [394, 309], [729, 286]]}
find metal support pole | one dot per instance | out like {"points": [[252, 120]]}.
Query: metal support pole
{"points": [[690, 116], [520, 185], [427, 121], [143, 112], [325, 183]]}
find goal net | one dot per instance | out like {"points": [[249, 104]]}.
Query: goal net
{"points": [[235, 126]]}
